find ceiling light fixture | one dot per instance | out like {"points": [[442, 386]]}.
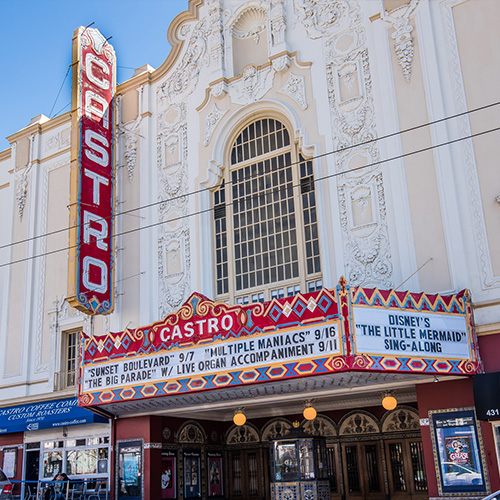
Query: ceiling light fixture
{"points": [[389, 402], [239, 417], [309, 411]]}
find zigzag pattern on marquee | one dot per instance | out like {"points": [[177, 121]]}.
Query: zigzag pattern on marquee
{"points": [[453, 304]]}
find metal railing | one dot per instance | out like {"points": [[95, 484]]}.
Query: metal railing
{"points": [[64, 380], [75, 489]]}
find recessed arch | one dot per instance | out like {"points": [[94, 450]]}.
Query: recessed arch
{"points": [[232, 124], [275, 428], [357, 423], [401, 419], [191, 432], [265, 219], [244, 434]]}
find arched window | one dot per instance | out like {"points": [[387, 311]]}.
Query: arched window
{"points": [[266, 232]]}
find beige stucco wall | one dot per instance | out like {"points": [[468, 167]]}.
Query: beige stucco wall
{"points": [[128, 259], [420, 171], [478, 40], [130, 106], [248, 51], [17, 299], [23, 153], [56, 264]]}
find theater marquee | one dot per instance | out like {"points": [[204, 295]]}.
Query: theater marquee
{"points": [[90, 287], [207, 345]]}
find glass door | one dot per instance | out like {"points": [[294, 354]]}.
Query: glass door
{"points": [[406, 468], [246, 475], [362, 471]]}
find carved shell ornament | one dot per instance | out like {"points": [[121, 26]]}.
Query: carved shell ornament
{"points": [[250, 24]]}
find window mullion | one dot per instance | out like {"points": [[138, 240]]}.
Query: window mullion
{"points": [[230, 239], [299, 209]]}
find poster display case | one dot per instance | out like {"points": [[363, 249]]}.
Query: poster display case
{"points": [[214, 471], [130, 470], [192, 478], [168, 475], [458, 452]]}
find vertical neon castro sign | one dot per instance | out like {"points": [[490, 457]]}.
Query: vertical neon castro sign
{"points": [[90, 286]]}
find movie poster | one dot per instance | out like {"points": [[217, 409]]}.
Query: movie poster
{"points": [[458, 450], [168, 477], [214, 474], [192, 487]]}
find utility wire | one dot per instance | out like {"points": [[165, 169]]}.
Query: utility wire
{"points": [[58, 94], [201, 190], [335, 174]]}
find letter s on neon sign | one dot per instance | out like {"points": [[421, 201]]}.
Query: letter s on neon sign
{"points": [[91, 140]]}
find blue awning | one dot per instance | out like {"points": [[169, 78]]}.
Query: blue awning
{"points": [[45, 415]]}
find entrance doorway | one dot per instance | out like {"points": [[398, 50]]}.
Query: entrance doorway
{"points": [[245, 473], [377, 459], [406, 468], [362, 471]]}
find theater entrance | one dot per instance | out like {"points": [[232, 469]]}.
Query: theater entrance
{"points": [[374, 460], [367, 458], [246, 473], [364, 465]]}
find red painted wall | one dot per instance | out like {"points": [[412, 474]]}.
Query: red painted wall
{"points": [[14, 439], [489, 347]]}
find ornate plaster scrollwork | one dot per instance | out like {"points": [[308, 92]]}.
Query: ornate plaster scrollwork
{"points": [[360, 422], [252, 85], [320, 426], [278, 22], [321, 16], [174, 254], [191, 432], [281, 63], [251, 23], [399, 18], [130, 152], [22, 177], [244, 434], [401, 420], [276, 428], [361, 195], [211, 121], [184, 79], [21, 192], [296, 89], [216, 38], [130, 135]]}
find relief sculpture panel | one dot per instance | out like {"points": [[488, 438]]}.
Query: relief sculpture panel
{"points": [[361, 196]]}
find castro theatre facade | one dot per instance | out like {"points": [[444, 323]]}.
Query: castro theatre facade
{"points": [[330, 394], [280, 266]]}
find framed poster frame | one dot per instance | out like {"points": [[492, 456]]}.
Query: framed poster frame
{"points": [[129, 471], [9, 462], [168, 475], [458, 449], [215, 479], [192, 473]]}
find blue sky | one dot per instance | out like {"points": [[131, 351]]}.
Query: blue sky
{"points": [[35, 49]]}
